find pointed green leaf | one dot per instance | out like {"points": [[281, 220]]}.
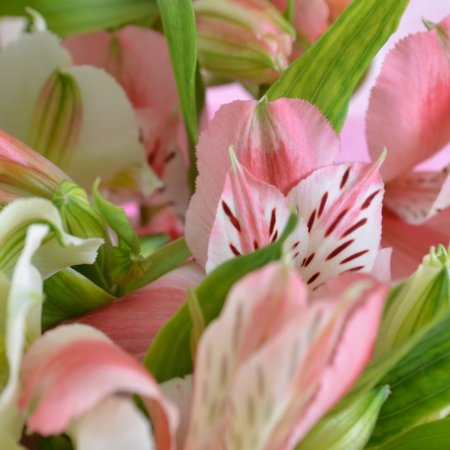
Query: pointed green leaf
{"points": [[77, 16], [178, 20], [328, 73], [170, 354], [430, 436]]}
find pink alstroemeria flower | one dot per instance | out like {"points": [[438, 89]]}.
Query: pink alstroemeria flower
{"points": [[283, 155], [311, 18], [139, 60], [133, 321], [410, 117], [266, 370]]}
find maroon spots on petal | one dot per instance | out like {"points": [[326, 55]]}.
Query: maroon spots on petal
{"points": [[354, 256], [153, 152], [273, 221], [323, 202], [311, 219], [275, 236], [235, 251], [339, 249], [255, 245], [355, 269], [233, 219], [354, 227], [296, 254], [369, 199], [345, 178], [307, 261], [169, 157], [295, 245], [335, 223], [313, 278]]}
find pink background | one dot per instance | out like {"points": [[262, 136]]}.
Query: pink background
{"points": [[353, 138]]}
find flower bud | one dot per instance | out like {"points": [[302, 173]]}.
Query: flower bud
{"points": [[77, 214], [244, 40], [349, 426], [416, 302]]}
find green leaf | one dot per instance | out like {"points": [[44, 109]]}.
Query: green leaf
{"points": [[117, 220], [347, 427], [420, 384], [178, 20], [69, 294], [430, 436], [160, 262], [328, 73], [170, 355], [66, 17]]}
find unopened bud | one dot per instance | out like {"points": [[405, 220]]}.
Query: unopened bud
{"points": [[244, 40]]}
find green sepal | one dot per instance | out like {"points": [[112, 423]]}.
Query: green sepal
{"points": [[117, 220], [170, 353], [126, 266], [69, 294], [328, 73], [349, 426], [78, 216]]}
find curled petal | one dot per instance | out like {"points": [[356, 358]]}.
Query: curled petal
{"points": [[71, 369], [278, 142], [410, 115], [342, 208]]}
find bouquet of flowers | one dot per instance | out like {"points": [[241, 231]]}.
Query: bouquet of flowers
{"points": [[171, 280]]}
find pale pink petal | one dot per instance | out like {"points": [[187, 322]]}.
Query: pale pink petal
{"points": [[258, 308], [279, 142], [381, 269], [272, 365], [179, 392], [418, 196], [133, 321], [250, 215], [137, 57], [411, 242], [71, 369], [342, 208], [409, 107]]}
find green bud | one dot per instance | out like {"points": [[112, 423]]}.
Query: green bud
{"points": [[417, 301], [79, 217], [349, 426]]}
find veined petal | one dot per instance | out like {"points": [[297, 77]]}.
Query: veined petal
{"points": [[258, 308], [71, 369], [250, 215], [103, 428], [418, 196], [410, 115], [133, 321], [278, 142], [342, 208], [25, 65]]}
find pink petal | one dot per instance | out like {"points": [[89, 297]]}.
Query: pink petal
{"points": [[342, 208], [137, 57], [418, 196], [411, 243], [133, 321], [250, 215], [279, 142], [381, 269], [409, 115], [71, 369], [258, 308]]}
